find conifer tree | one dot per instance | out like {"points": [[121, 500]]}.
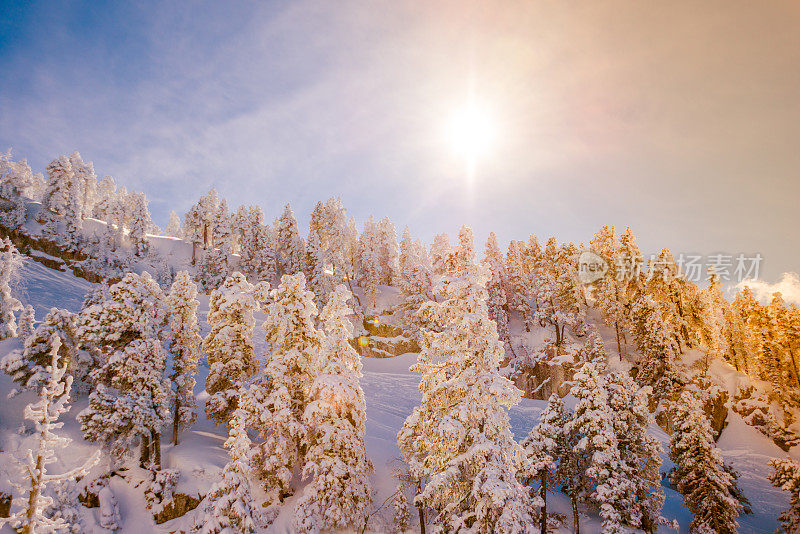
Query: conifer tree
{"points": [[28, 368], [229, 345], [106, 193], [497, 289], [700, 475], [27, 322], [440, 253], [594, 423], [85, 185], [415, 282], [173, 228], [10, 265], [131, 400], [185, 349], [289, 246], [229, 506], [388, 251], [291, 370], [199, 221], [140, 223], [53, 403], [60, 192], [370, 263], [459, 437], [336, 458], [786, 476], [559, 291], [546, 449]]}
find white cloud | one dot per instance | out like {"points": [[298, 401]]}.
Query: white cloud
{"points": [[788, 286]]}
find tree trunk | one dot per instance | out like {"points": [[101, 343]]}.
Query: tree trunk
{"points": [[194, 252], [175, 421], [421, 520], [619, 340], [33, 497], [794, 364], [145, 455], [543, 491], [576, 522], [155, 445]]}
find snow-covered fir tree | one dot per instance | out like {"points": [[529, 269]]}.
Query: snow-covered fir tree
{"points": [[369, 260], [256, 245], [105, 197], [658, 346], [608, 291], [229, 506], [10, 265], [28, 368], [229, 345], [700, 475], [786, 476], [174, 228], [18, 181], [440, 253], [27, 322], [416, 284], [546, 449], [185, 348], [459, 437], [53, 402], [131, 399], [594, 423], [140, 223], [497, 289], [639, 452], [279, 405], [212, 268], [336, 459], [388, 251], [558, 294], [199, 221], [289, 246], [85, 185]]}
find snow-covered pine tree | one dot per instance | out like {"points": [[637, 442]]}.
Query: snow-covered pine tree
{"points": [[786, 476], [594, 424], [198, 223], [17, 180], [388, 251], [416, 285], [459, 437], [336, 458], [212, 268], [29, 367], [131, 400], [700, 474], [291, 370], [140, 223], [440, 253], [639, 452], [185, 349], [559, 290], [27, 322], [328, 244], [10, 265], [229, 506], [608, 291], [522, 289], [106, 193], [174, 228], [53, 403], [656, 343], [229, 345], [61, 196], [224, 233], [546, 449], [256, 249], [496, 288], [289, 246], [85, 184], [369, 264]]}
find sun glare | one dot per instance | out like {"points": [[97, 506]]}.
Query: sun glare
{"points": [[471, 133]]}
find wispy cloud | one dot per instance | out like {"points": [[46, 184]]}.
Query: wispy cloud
{"points": [[788, 286]]}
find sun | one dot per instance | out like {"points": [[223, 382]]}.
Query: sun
{"points": [[471, 133]]}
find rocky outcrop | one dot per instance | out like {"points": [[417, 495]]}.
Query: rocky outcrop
{"points": [[383, 339], [5, 504], [180, 505]]}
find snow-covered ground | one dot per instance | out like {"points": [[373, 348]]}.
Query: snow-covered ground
{"points": [[391, 393]]}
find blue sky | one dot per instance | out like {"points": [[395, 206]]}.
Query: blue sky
{"points": [[679, 120]]}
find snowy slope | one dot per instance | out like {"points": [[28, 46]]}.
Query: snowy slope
{"points": [[391, 393]]}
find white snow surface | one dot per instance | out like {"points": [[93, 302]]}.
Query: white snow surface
{"points": [[391, 393]]}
